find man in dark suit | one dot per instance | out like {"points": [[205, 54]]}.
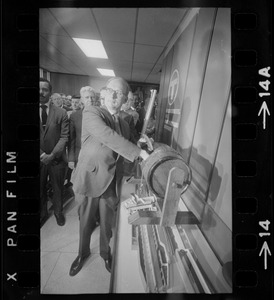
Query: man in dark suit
{"points": [[54, 129], [130, 120], [129, 168], [129, 107], [104, 142], [74, 142]]}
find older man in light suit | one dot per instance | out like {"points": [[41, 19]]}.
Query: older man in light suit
{"points": [[54, 130], [88, 97], [104, 140]]}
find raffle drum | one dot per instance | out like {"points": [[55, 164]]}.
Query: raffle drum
{"points": [[167, 177], [156, 169]]}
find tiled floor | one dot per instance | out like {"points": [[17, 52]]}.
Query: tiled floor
{"points": [[59, 248]]}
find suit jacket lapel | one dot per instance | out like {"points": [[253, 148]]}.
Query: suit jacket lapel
{"points": [[124, 130], [107, 117], [42, 131], [50, 117]]}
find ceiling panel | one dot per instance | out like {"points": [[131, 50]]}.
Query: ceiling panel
{"points": [[122, 65], [116, 24], [48, 24], [147, 54], [142, 67], [156, 69], [156, 26], [53, 65], [90, 65], [155, 74], [48, 49], [119, 51], [64, 44], [161, 58], [138, 77], [141, 70], [65, 62], [123, 74], [78, 22], [120, 36], [85, 65], [153, 78]]}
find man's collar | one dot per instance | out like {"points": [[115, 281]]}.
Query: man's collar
{"points": [[47, 104], [112, 113]]}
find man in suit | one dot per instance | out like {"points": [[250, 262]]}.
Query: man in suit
{"points": [[102, 95], [129, 168], [56, 100], [74, 142], [130, 120], [128, 107], [104, 142], [75, 105], [88, 97], [54, 130]]}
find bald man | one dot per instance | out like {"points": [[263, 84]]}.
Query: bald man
{"points": [[105, 141]]}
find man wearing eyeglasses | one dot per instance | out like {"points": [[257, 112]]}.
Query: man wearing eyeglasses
{"points": [[105, 140]]}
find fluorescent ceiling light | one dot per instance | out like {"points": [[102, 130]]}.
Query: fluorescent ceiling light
{"points": [[91, 48], [106, 72]]}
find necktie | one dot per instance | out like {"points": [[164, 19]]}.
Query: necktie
{"points": [[116, 122], [44, 115], [117, 129]]}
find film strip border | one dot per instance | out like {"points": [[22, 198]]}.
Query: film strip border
{"points": [[251, 130]]}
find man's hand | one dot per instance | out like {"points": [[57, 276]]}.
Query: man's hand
{"points": [[144, 155], [145, 140], [47, 158], [71, 165]]}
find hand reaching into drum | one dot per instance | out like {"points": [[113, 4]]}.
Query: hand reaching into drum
{"points": [[71, 165], [145, 142], [144, 155]]}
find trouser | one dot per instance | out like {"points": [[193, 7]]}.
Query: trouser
{"points": [[68, 175], [89, 208], [56, 174]]}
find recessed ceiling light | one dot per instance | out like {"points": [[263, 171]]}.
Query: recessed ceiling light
{"points": [[106, 72], [91, 48]]}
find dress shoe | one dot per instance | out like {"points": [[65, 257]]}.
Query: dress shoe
{"points": [[78, 264], [108, 262], [60, 219]]}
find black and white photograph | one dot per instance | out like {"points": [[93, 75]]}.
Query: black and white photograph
{"points": [[135, 150]]}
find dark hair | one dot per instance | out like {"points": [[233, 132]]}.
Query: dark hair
{"points": [[45, 80]]}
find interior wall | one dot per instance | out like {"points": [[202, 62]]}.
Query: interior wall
{"points": [[70, 84], [197, 120]]}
